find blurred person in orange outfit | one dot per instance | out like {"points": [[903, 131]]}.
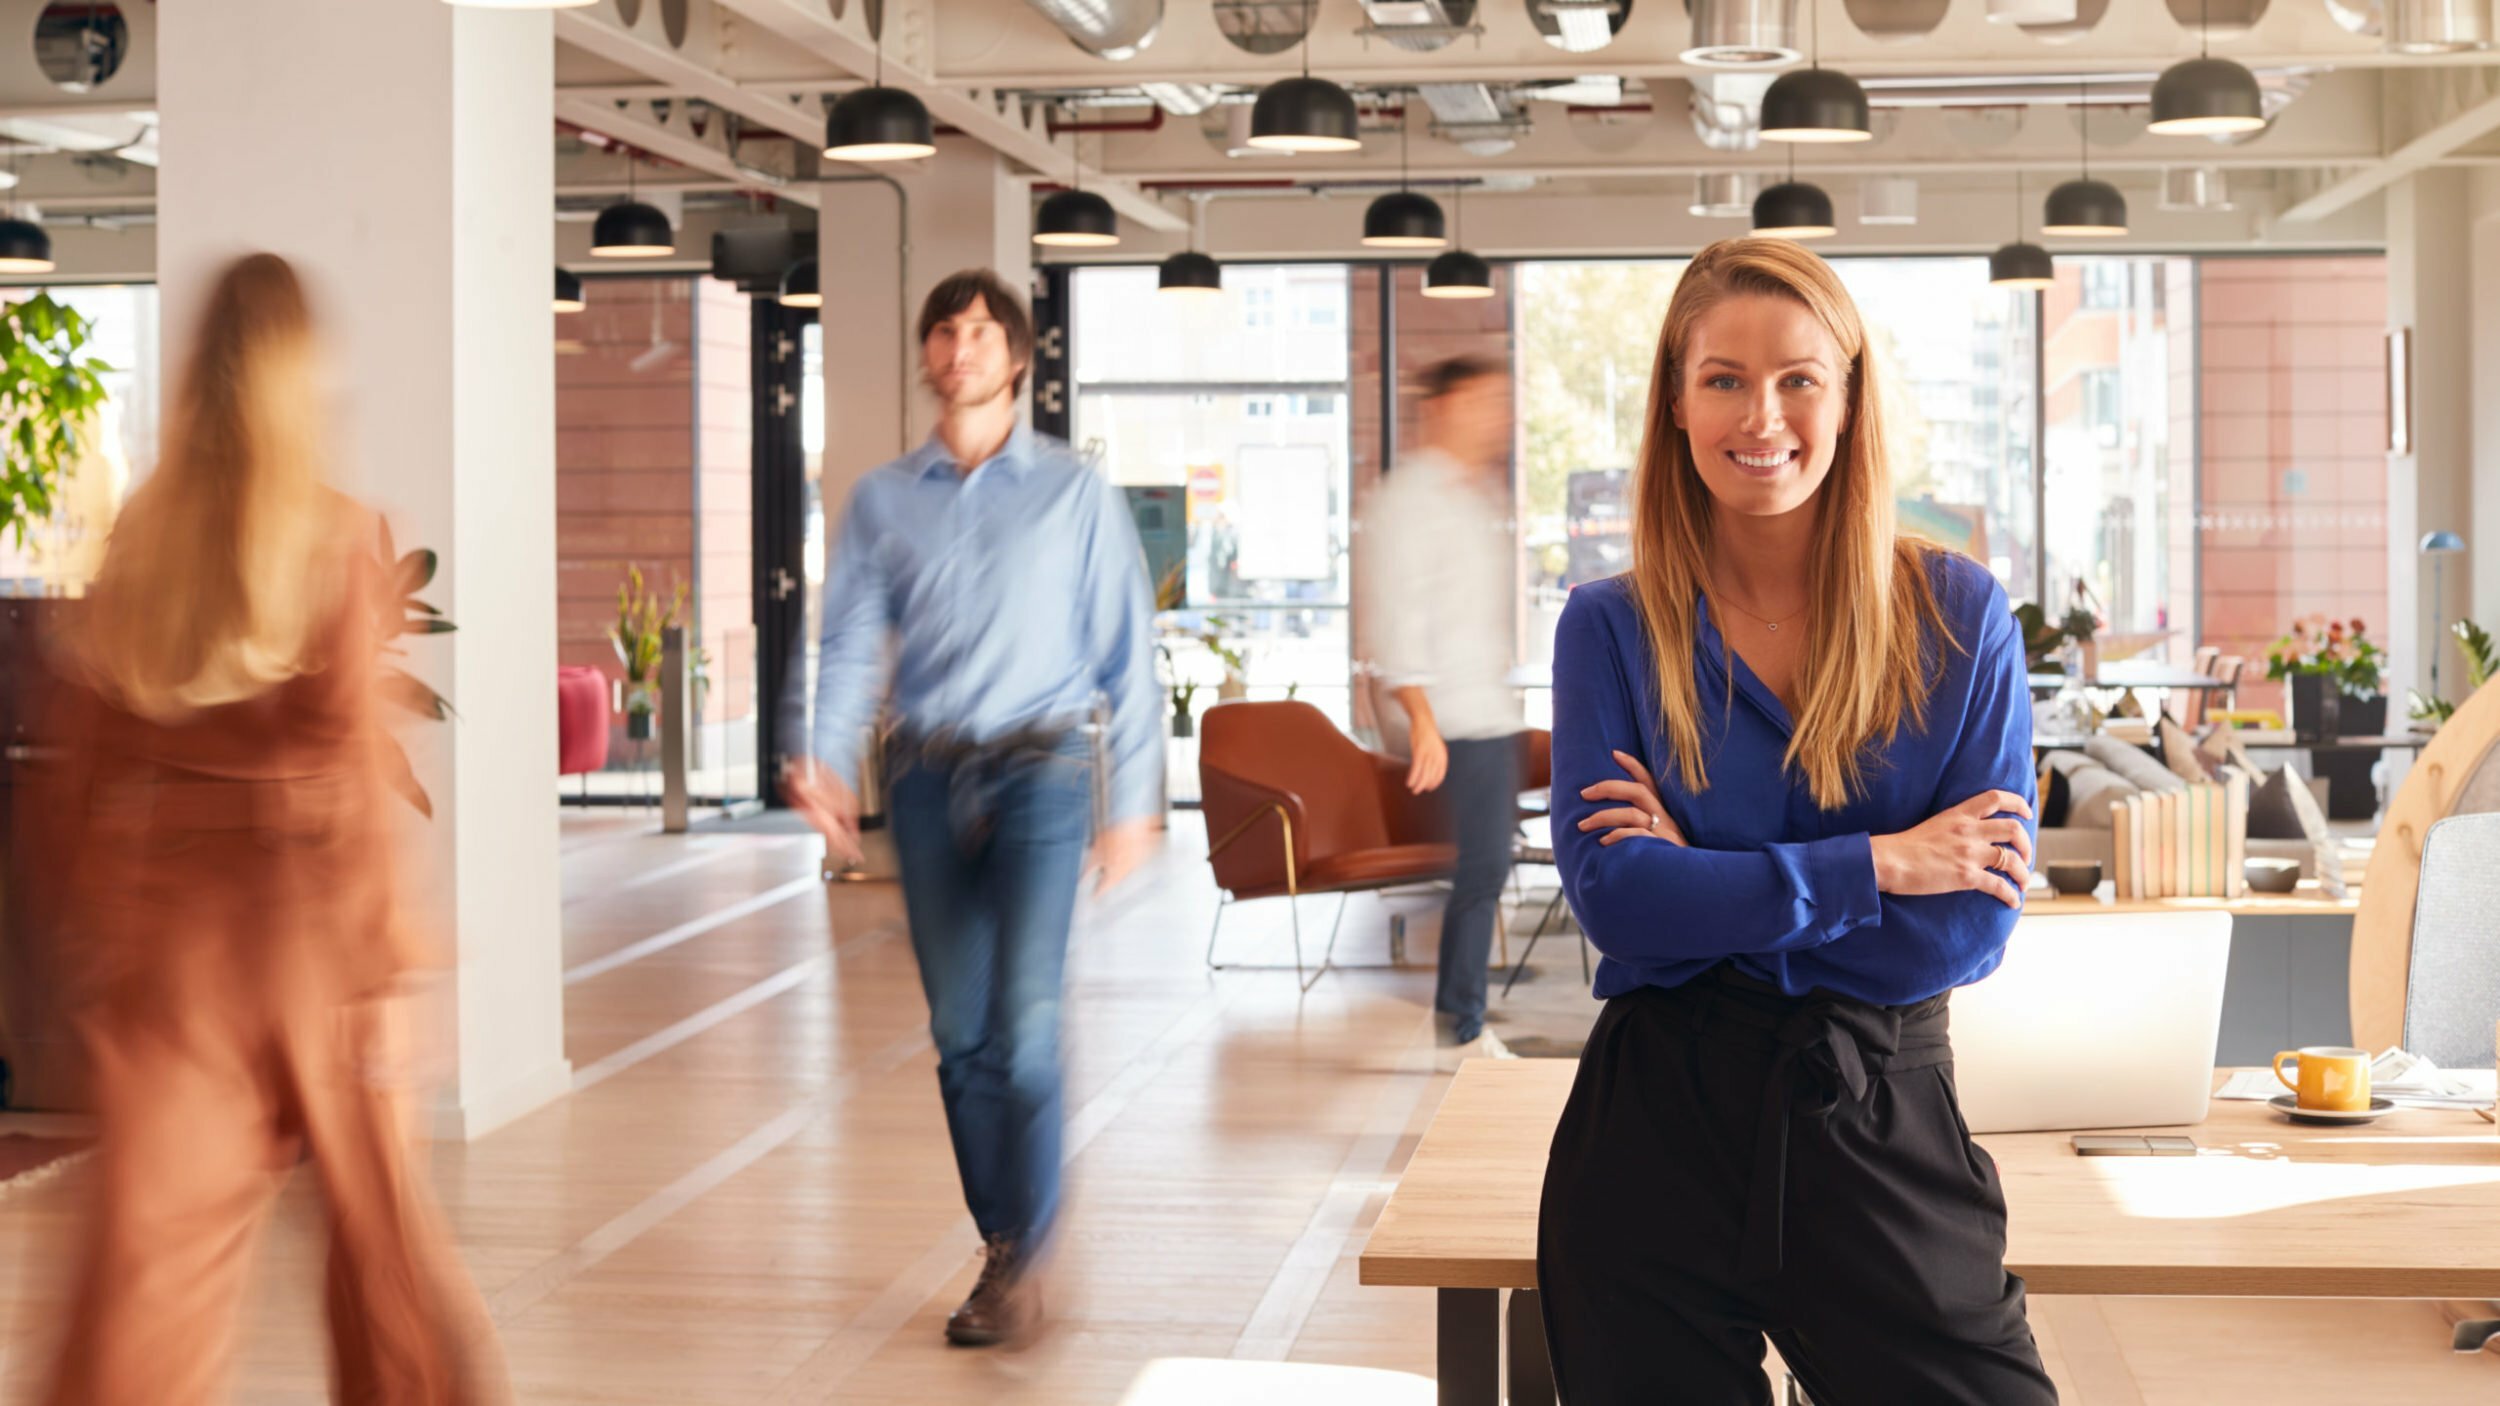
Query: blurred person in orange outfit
{"points": [[217, 838]]}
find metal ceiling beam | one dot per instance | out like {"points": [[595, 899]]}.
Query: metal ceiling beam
{"points": [[668, 143], [2433, 147], [986, 117], [675, 75]]}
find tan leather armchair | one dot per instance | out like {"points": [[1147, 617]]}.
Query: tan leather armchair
{"points": [[1293, 806]]}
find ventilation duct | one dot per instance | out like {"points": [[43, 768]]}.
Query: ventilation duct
{"points": [[1727, 110], [1182, 99], [1896, 21], [1742, 33], [1725, 195], [2194, 188], [2053, 12], [2437, 26], [1419, 26], [1579, 26], [1471, 115], [1107, 29]]}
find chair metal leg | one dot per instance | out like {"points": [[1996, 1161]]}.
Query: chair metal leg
{"points": [[1221, 903], [1530, 951], [1326, 956], [1293, 905]]}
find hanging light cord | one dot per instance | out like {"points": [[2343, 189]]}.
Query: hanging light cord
{"points": [[1402, 122], [1307, 6], [2083, 127]]}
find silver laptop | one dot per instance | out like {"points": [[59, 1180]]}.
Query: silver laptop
{"points": [[2097, 1021]]}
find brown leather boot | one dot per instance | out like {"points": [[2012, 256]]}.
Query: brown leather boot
{"points": [[1005, 1305]]}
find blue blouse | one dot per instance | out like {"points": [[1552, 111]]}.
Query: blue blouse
{"points": [[1773, 882]]}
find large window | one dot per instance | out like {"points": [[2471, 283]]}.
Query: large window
{"points": [[2118, 497], [1239, 402], [2197, 441]]}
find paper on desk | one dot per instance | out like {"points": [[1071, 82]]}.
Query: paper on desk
{"points": [[2396, 1074]]}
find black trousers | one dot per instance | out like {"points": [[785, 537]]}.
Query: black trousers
{"points": [[1736, 1164]]}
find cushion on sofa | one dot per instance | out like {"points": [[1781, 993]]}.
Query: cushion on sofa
{"points": [[2131, 763]]}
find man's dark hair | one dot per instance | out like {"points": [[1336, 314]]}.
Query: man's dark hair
{"points": [[1450, 373], [958, 291]]}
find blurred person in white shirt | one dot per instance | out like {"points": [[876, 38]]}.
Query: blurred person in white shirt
{"points": [[1439, 587]]}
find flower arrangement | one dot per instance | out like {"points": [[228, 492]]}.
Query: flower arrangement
{"points": [[2340, 650], [641, 616]]}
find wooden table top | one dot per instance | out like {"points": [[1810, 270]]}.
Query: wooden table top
{"points": [[2308, 900], [2400, 1208]]}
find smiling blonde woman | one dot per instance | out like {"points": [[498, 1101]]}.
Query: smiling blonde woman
{"points": [[1792, 791]]}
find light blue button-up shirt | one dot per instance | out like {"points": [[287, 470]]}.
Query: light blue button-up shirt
{"points": [[998, 600]]}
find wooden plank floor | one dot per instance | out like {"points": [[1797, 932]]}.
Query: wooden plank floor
{"points": [[749, 1197]]}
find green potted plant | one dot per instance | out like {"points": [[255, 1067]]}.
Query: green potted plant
{"points": [[2334, 674], [403, 614], [2482, 660], [48, 392], [1234, 657], [641, 617]]}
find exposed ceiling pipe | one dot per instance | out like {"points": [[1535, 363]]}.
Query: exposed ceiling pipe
{"points": [[1107, 29], [2437, 26], [1419, 26], [1183, 99], [1727, 109], [1151, 122], [1742, 33]]}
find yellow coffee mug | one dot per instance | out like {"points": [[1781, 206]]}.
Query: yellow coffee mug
{"points": [[2333, 1078]]}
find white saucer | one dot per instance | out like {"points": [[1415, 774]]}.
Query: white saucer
{"points": [[2289, 1106]]}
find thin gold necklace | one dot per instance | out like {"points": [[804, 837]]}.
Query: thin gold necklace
{"points": [[1771, 625]]}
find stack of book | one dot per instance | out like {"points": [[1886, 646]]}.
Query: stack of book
{"points": [[2183, 844]]}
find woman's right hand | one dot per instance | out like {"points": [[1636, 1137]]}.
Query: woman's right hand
{"points": [[1976, 845]]}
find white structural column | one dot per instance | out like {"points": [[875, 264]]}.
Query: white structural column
{"points": [[2430, 294], [887, 236], [401, 153]]}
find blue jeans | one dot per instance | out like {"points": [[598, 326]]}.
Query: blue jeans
{"points": [[1483, 791], [990, 867]]}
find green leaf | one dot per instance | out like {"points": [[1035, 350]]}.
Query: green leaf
{"points": [[403, 778], [427, 627], [416, 570]]}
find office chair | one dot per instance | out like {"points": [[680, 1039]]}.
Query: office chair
{"points": [[2452, 990]]}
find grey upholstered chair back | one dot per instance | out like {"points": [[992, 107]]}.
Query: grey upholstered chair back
{"points": [[2452, 992]]}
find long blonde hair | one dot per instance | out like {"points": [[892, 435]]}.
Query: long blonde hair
{"points": [[1872, 613], [223, 567]]}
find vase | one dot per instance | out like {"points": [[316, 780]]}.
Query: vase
{"points": [[637, 727], [1183, 724], [1232, 690], [2316, 704], [2090, 658]]}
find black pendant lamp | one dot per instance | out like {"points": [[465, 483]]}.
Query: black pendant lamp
{"points": [[798, 286], [878, 123], [2021, 265], [1457, 273], [1815, 104], [1404, 219], [24, 247], [2084, 207], [2206, 96], [569, 292], [1190, 272], [630, 229], [1305, 113], [1076, 218], [1794, 209]]}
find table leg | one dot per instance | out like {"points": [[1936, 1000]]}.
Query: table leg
{"points": [[1531, 1371], [1469, 1345]]}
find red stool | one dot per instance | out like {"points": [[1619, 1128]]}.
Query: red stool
{"points": [[581, 722]]}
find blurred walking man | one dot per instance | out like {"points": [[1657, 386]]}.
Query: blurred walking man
{"points": [[1004, 580]]}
